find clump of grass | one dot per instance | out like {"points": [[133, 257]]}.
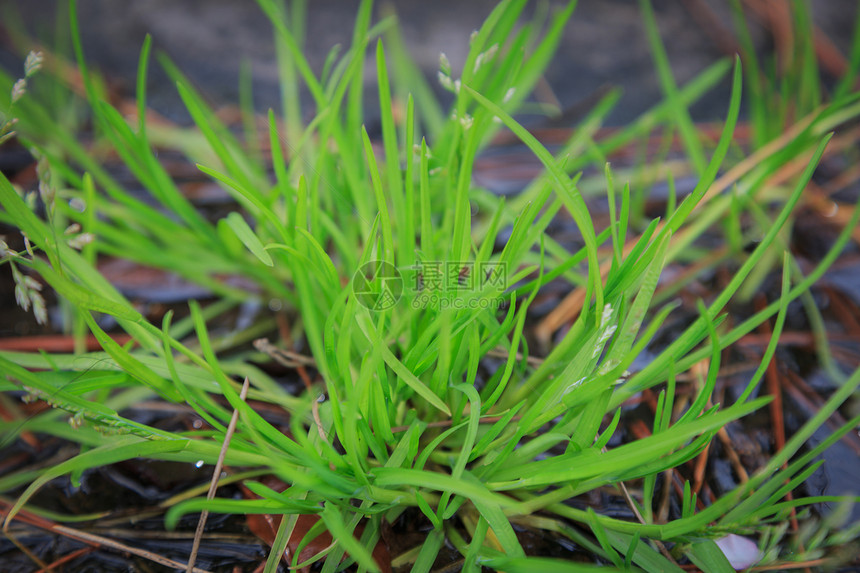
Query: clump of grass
{"points": [[402, 297]]}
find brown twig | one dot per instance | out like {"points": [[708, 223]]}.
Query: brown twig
{"points": [[699, 470], [297, 361], [98, 541], [733, 456], [9, 412], [802, 393], [846, 311], [447, 423], [282, 356], [789, 565], [216, 477], [55, 343], [776, 406], [641, 519], [573, 303], [315, 405], [66, 558], [24, 549], [777, 17], [635, 509], [534, 361]]}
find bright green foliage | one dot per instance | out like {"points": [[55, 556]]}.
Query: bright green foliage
{"points": [[407, 419]]}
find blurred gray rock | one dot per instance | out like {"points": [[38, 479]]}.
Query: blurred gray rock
{"points": [[604, 44]]}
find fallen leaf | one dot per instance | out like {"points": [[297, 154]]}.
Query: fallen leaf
{"points": [[740, 551]]}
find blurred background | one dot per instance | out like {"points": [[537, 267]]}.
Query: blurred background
{"points": [[603, 46]]}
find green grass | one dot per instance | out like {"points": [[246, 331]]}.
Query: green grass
{"points": [[410, 419]]}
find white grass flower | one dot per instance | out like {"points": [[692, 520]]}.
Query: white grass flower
{"points": [[444, 64], [78, 204], [416, 149], [607, 314], [478, 62], [573, 386], [485, 57], [604, 336], [609, 365], [6, 136], [80, 241], [47, 193], [33, 63], [5, 251], [31, 396], [445, 81], [22, 297], [19, 89], [30, 199], [31, 283], [77, 420], [27, 294]]}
